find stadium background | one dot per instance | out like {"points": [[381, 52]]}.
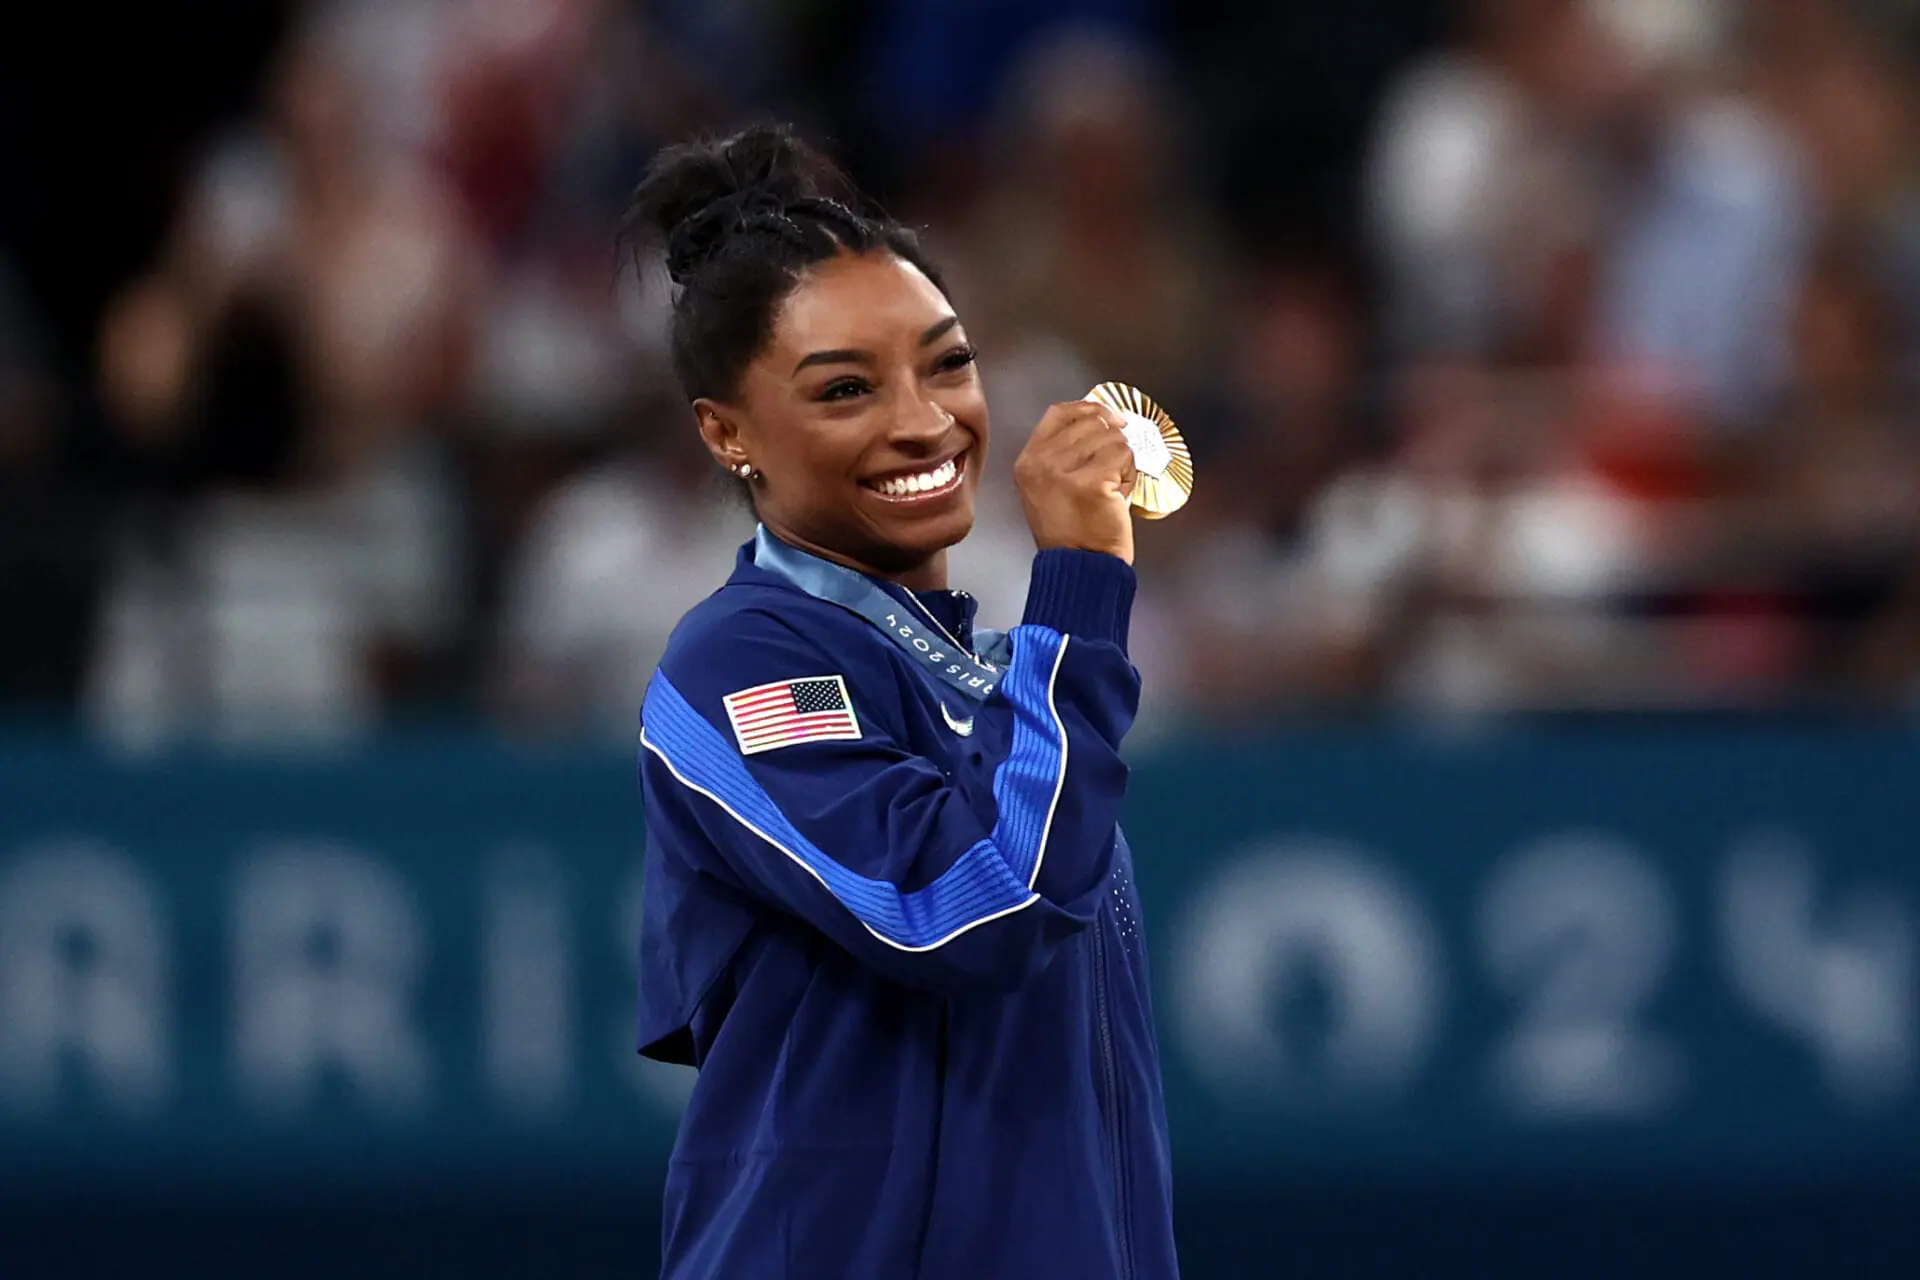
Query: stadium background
{"points": [[1524, 796]]}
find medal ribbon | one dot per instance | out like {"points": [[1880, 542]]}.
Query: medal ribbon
{"points": [[913, 631]]}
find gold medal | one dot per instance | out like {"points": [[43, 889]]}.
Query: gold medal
{"points": [[1160, 456]]}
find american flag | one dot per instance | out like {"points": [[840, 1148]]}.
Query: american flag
{"points": [[790, 712]]}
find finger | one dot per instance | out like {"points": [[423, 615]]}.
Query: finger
{"points": [[1105, 454], [1114, 456], [1085, 429], [1129, 471], [1111, 416], [1088, 443], [1103, 419], [1064, 417], [1066, 413], [1067, 444]]}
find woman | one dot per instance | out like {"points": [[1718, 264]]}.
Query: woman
{"points": [[888, 912]]}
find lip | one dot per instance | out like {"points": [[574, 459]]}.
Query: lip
{"points": [[946, 490]]}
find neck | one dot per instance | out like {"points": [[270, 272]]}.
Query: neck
{"points": [[929, 574]]}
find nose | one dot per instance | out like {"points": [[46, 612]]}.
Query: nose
{"points": [[920, 425]]}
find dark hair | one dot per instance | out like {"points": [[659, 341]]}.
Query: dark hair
{"points": [[741, 220]]}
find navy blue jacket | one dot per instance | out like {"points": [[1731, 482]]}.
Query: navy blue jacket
{"points": [[907, 959]]}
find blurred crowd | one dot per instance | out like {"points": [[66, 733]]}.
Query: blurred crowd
{"points": [[1586, 383]]}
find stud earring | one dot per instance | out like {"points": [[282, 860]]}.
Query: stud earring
{"points": [[744, 471]]}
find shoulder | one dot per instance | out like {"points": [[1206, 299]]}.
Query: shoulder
{"points": [[747, 615], [748, 633], [737, 652]]}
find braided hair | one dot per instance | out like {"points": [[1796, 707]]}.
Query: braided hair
{"points": [[741, 220]]}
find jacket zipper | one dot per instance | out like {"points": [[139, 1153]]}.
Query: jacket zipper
{"points": [[1110, 1075], [940, 1107]]}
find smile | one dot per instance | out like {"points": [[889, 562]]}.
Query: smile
{"points": [[919, 486]]}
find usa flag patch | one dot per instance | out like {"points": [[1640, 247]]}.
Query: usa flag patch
{"points": [[790, 712]]}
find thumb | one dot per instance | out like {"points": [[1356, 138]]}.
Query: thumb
{"points": [[1128, 476]]}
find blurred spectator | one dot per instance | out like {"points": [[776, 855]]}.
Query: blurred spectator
{"points": [[927, 77], [1698, 288], [53, 529], [1091, 233], [1601, 400], [282, 371], [610, 560], [1485, 173], [1845, 485], [1262, 627]]}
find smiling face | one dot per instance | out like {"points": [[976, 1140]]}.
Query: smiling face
{"points": [[865, 417]]}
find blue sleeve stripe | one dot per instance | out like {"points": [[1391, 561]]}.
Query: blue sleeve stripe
{"points": [[977, 888], [991, 879], [1026, 786]]}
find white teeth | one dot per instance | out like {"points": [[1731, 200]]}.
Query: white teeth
{"points": [[926, 481]]}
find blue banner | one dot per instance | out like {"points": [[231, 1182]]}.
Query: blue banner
{"points": [[1583, 951]]}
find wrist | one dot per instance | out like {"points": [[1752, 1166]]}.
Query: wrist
{"points": [[1081, 593], [1118, 551]]}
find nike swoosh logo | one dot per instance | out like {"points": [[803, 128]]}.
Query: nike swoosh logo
{"points": [[962, 727]]}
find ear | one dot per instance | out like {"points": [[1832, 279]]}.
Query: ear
{"points": [[720, 430]]}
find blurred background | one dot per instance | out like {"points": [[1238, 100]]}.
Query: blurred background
{"points": [[1525, 788]]}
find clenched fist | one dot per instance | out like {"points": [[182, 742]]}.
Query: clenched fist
{"points": [[1074, 477]]}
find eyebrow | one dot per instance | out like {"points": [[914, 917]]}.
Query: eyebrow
{"points": [[849, 355]]}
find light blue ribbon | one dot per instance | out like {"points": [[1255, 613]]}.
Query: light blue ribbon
{"points": [[914, 631]]}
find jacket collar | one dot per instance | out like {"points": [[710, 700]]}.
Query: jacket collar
{"points": [[953, 610]]}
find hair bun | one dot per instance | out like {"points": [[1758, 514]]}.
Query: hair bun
{"points": [[696, 239], [696, 195], [743, 221]]}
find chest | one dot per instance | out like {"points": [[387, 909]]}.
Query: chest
{"points": [[965, 738]]}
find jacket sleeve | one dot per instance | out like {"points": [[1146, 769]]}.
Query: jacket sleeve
{"points": [[875, 845]]}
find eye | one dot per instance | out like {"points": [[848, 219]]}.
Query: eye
{"points": [[844, 389], [957, 359]]}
